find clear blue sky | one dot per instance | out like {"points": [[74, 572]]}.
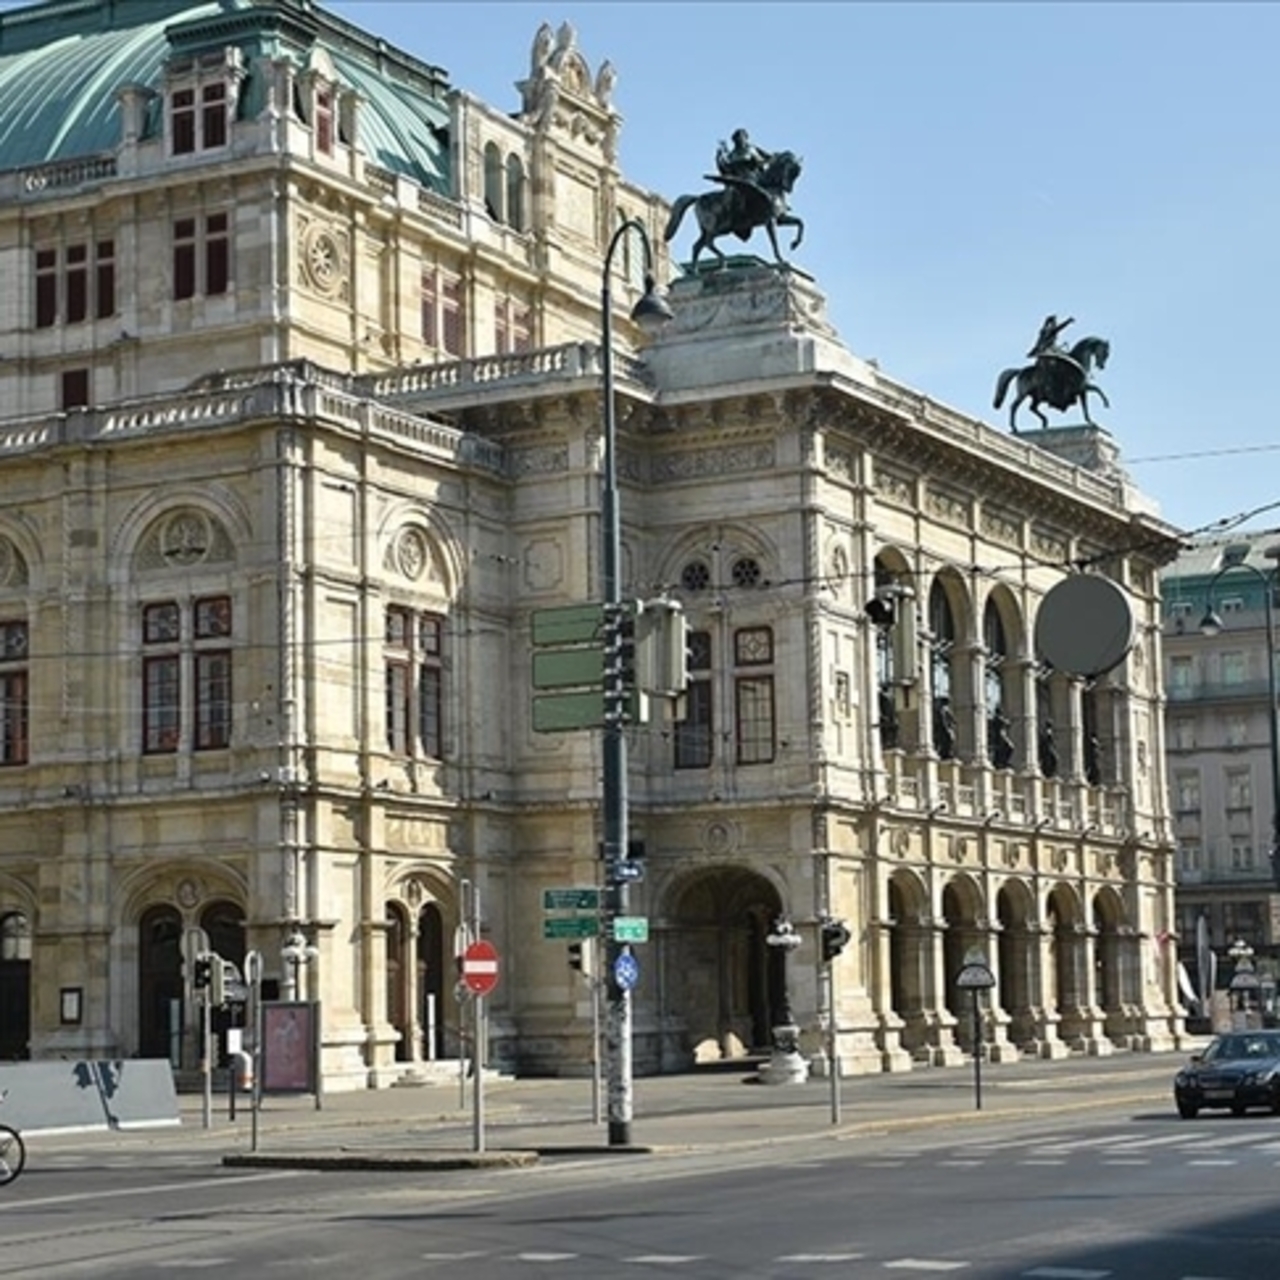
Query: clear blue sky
{"points": [[970, 168]]}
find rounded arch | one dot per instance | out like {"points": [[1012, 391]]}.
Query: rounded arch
{"points": [[724, 982], [720, 549], [17, 895], [440, 544], [963, 910], [188, 886], [218, 501], [1109, 922]]}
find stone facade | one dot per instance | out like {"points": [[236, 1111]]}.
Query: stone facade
{"points": [[267, 591]]}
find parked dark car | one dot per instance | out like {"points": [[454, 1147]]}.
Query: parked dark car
{"points": [[1237, 1071]]}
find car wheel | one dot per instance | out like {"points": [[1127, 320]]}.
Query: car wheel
{"points": [[1188, 1110], [1238, 1108], [1275, 1103]]}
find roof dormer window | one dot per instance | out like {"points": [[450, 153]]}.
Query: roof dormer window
{"points": [[201, 98]]}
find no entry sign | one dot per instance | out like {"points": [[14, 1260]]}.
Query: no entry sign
{"points": [[480, 967]]}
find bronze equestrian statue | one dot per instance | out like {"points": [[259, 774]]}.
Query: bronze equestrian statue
{"points": [[756, 186], [1058, 378]]}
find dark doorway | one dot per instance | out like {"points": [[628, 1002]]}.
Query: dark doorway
{"points": [[15, 987], [431, 979], [160, 984]]}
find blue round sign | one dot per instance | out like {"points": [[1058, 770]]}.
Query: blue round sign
{"points": [[626, 971]]}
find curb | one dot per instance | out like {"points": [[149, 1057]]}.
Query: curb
{"points": [[342, 1160], [526, 1157]]}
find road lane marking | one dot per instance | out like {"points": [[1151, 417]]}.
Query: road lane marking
{"points": [[545, 1257], [820, 1257], [1064, 1273], [923, 1264], [230, 1180], [1127, 1164], [1212, 1164], [662, 1259], [1048, 1164], [461, 1256]]}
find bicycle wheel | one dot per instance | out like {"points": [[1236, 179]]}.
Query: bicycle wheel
{"points": [[13, 1154]]}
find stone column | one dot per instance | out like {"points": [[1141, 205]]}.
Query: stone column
{"points": [[1043, 1010], [940, 1022]]}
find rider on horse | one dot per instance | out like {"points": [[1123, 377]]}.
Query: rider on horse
{"points": [[739, 168], [1046, 352]]}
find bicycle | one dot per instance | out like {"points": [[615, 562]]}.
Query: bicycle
{"points": [[13, 1151]]}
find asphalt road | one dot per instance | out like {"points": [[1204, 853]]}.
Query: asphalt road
{"points": [[1125, 1193]]}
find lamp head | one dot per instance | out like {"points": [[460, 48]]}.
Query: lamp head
{"points": [[651, 312], [1210, 624]]}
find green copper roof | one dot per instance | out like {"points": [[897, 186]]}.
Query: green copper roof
{"points": [[62, 63]]}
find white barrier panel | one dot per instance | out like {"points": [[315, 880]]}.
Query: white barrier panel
{"points": [[127, 1093]]}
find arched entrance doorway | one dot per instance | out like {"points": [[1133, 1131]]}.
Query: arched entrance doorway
{"points": [[160, 984], [910, 945], [1017, 947], [417, 973], [724, 983], [961, 905], [15, 986]]}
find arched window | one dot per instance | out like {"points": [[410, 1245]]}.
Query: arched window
{"points": [[942, 643], [999, 724], [493, 201], [515, 193], [1046, 735]]}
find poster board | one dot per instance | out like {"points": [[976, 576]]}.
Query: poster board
{"points": [[288, 1047]]}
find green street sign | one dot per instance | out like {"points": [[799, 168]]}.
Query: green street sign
{"points": [[571, 899], [631, 928], [564, 668], [571, 624], [560, 927], [582, 709]]}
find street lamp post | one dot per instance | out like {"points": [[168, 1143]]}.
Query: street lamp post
{"points": [[1211, 625], [650, 312]]}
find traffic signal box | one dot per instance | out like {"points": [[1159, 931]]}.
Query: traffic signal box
{"points": [[835, 937]]}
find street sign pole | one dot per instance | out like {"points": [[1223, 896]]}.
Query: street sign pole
{"points": [[478, 1045], [597, 984], [976, 977]]}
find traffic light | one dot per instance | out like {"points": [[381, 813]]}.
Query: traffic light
{"points": [[662, 639], [202, 973], [835, 937], [575, 956]]}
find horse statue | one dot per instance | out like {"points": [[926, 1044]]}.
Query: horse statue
{"points": [[743, 206], [1058, 378]]}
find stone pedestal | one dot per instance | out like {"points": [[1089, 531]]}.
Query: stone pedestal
{"points": [[745, 322]]}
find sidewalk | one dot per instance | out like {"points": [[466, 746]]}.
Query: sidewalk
{"points": [[432, 1126]]}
